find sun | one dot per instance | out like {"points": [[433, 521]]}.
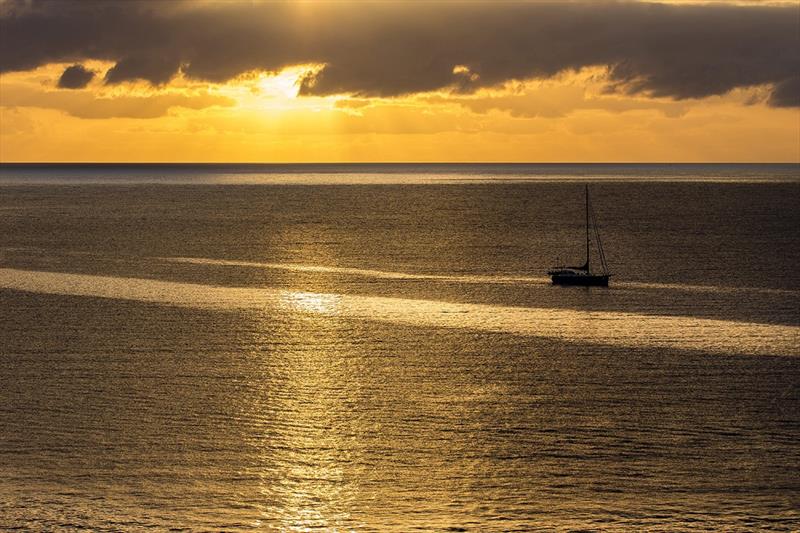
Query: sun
{"points": [[285, 84]]}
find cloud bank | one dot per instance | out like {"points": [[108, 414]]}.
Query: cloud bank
{"points": [[84, 104], [391, 49]]}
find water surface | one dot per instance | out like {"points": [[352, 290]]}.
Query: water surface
{"points": [[240, 348]]}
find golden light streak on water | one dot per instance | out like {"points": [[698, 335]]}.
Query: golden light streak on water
{"points": [[464, 278], [370, 273], [593, 327], [309, 403], [311, 302]]}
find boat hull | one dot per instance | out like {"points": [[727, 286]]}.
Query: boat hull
{"points": [[587, 280]]}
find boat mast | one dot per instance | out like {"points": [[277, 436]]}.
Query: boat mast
{"points": [[587, 228], [603, 262]]}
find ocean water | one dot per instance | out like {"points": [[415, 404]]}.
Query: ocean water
{"points": [[378, 348]]}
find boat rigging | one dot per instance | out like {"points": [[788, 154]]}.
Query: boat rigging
{"points": [[583, 275]]}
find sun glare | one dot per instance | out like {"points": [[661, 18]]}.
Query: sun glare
{"points": [[310, 302], [285, 84]]}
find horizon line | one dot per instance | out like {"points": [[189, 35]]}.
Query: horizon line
{"points": [[399, 163]]}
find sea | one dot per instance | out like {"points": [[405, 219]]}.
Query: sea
{"points": [[371, 347]]}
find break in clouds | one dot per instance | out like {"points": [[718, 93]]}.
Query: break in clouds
{"points": [[390, 49]]}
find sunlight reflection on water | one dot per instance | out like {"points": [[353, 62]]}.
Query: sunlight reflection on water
{"points": [[311, 302], [464, 278], [310, 406], [595, 327]]}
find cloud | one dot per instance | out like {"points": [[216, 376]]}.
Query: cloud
{"points": [[155, 68], [555, 100], [84, 104], [75, 77], [786, 93], [396, 48]]}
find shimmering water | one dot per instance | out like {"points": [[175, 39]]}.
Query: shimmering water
{"points": [[232, 348]]}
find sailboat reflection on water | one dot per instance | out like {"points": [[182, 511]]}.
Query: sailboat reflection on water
{"points": [[583, 275]]}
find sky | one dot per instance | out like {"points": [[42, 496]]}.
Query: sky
{"points": [[411, 81]]}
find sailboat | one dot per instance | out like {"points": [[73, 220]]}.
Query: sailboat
{"points": [[583, 275]]}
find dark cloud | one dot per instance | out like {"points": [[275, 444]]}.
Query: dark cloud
{"points": [[786, 93], [75, 77], [155, 68], [394, 48]]}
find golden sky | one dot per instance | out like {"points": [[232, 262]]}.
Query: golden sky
{"points": [[400, 81]]}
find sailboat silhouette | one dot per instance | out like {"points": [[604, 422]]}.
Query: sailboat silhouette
{"points": [[583, 275]]}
